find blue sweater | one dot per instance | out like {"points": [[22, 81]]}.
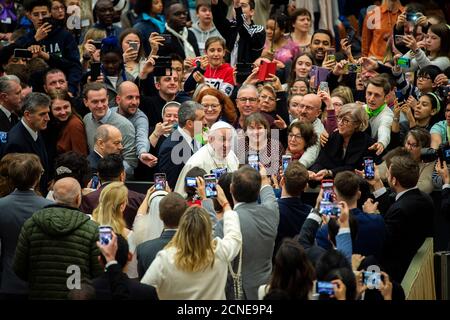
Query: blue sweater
{"points": [[64, 54], [370, 237]]}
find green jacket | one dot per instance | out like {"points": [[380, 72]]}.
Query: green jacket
{"points": [[51, 241]]}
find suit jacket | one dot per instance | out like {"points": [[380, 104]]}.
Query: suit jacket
{"points": [[115, 285], [259, 224], [93, 159], [90, 201], [5, 124], [172, 165], [15, 209], [146, 251], [20, 140], [445, 205], [409, 220], [330, 156]]}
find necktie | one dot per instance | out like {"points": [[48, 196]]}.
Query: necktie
{"points": [[194, 145]]}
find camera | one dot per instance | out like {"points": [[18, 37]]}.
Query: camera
{"points": [[372, 279], [325, 288], [97, 44], [404, 62], [353, 68], [412, 17], [163, 67], [430, 154]]}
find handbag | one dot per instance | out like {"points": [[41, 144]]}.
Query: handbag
{"points": [[237, 278]]}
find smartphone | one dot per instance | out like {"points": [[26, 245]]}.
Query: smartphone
{"points": [[328, 191], [163, 67], [48, 20], [329, 208], [285, 160], [191, 182], [243, 70], [134, 45], [404, 62], [350, 36], [105, 234], [253, 161], [210, 185], [97, 44], [265, 69], [324, 288], [219, 172], [372, 279], [160, 181], [353, 68], [22, 53], [95, 70], [369, 168], [331, 55], [167, 38], [95, 181], [323, 86]]}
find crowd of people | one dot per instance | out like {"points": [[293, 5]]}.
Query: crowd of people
{"points": [[229, 110]]}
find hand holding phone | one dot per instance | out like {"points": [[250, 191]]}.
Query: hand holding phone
{"points": [[369, 168]]}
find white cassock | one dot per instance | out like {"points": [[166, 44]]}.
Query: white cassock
{"points": [[205, 158]]}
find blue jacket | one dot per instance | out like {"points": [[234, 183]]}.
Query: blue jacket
{"points": [[64, 54], [370, 237]]}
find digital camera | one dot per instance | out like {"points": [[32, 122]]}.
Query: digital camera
{"points": [[430, 154]]}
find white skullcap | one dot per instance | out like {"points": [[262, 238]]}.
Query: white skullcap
{"points": [[220, 125]]}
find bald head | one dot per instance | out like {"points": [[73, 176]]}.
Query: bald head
{"points": [[108, 140], [67, 191], [128, 98], [310, 108]]}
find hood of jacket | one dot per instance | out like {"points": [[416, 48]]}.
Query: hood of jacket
{"points": [[58, 220], [200, 34]]}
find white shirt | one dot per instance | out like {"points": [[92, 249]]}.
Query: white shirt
{"points": [[34, 134]]}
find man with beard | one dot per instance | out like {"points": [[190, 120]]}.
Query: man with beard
{"points": [[321, 43]]}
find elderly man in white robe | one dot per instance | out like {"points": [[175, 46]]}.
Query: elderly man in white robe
{"points": [[216, 154]]}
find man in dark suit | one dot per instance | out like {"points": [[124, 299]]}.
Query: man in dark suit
{"points": [[259, 223], [108, 140], [10, 102], [408, 219], [181, 145], [293, 211], [111, 169], [114, 284], [371, 228], [24, 173], [171, 208], [25, 136]]}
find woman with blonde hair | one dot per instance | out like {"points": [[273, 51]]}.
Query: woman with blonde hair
{"points": [[111, 205], [89, 51], [193, 265]]}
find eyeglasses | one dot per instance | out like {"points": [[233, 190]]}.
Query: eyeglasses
{"points": [[212, 106], [412, 145], [296, 137], [424, 77], [180, 13], [345, 121], [264, 97], [244, 99]]}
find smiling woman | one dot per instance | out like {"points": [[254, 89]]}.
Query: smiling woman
{"points": [[65, 130]]}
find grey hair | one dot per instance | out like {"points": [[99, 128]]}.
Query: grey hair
{"points": [[5, 82], [248, 86], [187, 112], [35, 101], [102, 132], [357, 113]]}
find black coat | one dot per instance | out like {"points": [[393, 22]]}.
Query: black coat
{"points": [[176, 46], [409, 220], [330, 156], [5, 124], [172, 165], [20, 140]]}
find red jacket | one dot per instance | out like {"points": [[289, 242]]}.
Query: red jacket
{"points": [[220, 78]]}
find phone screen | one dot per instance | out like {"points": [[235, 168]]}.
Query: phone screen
{"points": [[219, 172], [134, 45], [23, 53], [372, 279], [160, 181], [105, 235], [191, 182], [369, 168], [253, 161], [325, 288], [210, 185], [95, 70], [329, 208], [286, 160], [95, 181], [327, 187]]}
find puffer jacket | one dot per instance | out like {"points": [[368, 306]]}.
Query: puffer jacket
{"points": [[51, 241]]}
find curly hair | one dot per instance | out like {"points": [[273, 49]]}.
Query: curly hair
{"points": [[228, 110]]}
